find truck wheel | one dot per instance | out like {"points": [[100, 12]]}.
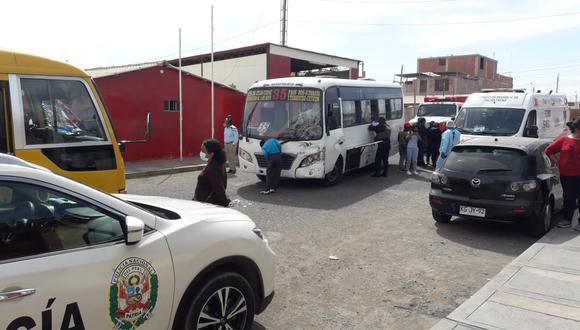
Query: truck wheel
{"points": [[335, 176], [541, 224], [440, 217]]}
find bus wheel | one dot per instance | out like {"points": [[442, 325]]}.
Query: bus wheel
{"points": [[335, 176]]}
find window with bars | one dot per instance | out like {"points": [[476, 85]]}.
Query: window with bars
{"points": [[171, 105]]}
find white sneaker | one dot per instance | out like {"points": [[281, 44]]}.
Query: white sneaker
{"points": [[409, 173], [415, 172], [265, 192]]}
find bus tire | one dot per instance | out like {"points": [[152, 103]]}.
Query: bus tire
{"points": [[335, 176]]}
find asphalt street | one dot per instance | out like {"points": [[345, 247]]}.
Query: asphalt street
{"points": [[365, 254]]}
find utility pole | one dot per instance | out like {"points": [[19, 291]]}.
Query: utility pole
{"points": [[180, 105], [401, 76], [212, 95], [284, 22], [557, 83]]}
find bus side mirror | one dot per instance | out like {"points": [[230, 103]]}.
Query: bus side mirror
{"points": [[532, 132]]}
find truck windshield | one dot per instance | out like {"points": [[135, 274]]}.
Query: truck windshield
{"points": [[285, 113], [437, 110], [489, 121]]}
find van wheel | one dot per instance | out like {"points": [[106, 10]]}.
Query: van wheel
{"points": [[335, 176], [541, 224], [226, 301], [261, 177], [440, 217]]}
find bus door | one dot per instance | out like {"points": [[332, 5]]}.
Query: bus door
{"points": [[333, 128], [5, 132]]}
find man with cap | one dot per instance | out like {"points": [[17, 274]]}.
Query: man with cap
{"points": [[451, 137], [231, 138], [383, 137]]}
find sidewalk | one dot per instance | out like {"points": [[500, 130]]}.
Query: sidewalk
{"points": [[540, 289], [145, 168]]}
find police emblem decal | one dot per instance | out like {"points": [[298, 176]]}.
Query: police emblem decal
{"points": [[132, 293]]}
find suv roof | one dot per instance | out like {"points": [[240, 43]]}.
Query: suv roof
{"points": [[527, 145]]}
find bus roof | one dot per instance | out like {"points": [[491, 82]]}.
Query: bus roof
{"points": [[20, 63], [318, 82], [515, 100]]}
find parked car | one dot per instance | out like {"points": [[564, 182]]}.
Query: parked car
{"points": [[501, 179], [74, 257]]}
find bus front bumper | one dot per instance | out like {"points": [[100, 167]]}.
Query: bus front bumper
{"points": [[314, 171]]}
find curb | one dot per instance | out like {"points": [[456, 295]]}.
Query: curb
{"points": [[165, 171]]}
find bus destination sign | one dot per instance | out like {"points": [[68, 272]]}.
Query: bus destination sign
{"points": [[285, 94]]}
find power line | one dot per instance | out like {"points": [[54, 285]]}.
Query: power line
{"points": [[555, 67], [253, 31], [441, 23], [390, 2]]}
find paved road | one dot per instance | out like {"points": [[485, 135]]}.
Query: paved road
{"points": [[397, 268]]}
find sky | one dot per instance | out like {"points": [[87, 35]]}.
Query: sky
{"points": [[533, 40]]}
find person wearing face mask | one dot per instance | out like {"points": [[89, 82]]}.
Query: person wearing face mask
{"points": [[450, 138], [413, 140], [569, 165], [231, 139], [212, 181]]}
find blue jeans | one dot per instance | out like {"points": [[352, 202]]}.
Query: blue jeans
{"points": [[412, 155]]}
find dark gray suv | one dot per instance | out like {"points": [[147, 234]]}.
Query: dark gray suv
{"points": [[499, 179]]}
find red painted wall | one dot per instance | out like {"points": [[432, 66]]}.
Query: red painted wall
{"points": [[129, 96], [278, 66]]}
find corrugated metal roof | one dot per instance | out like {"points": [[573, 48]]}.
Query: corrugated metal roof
{"points": [[114, 70]]}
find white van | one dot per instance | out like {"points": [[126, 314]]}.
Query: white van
{"points": [[515, 113]]}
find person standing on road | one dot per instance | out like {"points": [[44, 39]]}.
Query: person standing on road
{"points": [[272, 150], [402, 139], [413, 140], [231, 139], [212, 182], [434, 137], [569, 164], [450, 138], [423, 143], [383, 136]]}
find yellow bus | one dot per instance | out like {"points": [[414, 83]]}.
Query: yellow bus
{"points": [[51, 114]]}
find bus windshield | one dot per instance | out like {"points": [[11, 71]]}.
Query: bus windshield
{"points": [[489, 121], [437, 110], [285, 113]]}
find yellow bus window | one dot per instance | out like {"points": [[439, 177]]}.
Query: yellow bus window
{"points": [[59, 111]]}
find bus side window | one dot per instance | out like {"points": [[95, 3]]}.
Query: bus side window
{"points": [[333, 114]]}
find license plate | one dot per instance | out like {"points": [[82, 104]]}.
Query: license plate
{"points": [[472, 211]]}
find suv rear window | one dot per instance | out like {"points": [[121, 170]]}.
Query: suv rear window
{"points": [[482, 159]]}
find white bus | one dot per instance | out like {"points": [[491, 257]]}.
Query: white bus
{"points": [[321, 122], [517, 113]]}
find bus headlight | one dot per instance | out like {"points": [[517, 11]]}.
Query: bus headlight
{"points": [[309, 160], [245, 155]]}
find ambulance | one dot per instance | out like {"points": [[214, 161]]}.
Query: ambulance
{"points": [[517, 113]]}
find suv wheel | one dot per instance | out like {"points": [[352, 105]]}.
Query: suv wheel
{"points": [[226, 301], [440, 217], [541, 224]]}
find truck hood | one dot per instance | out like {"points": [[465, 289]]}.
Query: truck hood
{"points": [[188, 210]]}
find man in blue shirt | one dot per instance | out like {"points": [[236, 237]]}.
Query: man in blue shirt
{"points": [[272, 150], [231, 139]]}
